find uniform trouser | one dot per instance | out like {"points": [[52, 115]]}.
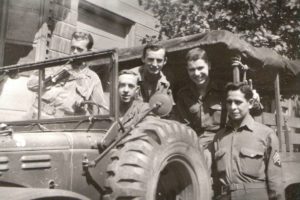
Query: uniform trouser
{"points": [[205, 140], [247, 194]]}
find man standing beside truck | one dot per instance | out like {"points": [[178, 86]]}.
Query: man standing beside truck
{"points": [[199, 103], [246, 153]]}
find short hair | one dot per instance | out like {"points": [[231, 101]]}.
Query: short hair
{"points": [[84, 36], [242, 86], [196, 54], [129, 72], [153, 47]]}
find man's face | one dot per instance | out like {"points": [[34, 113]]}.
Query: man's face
{"points": [[78, 46], [128, 87], [154, 61], [237, 105], [198, 71]]}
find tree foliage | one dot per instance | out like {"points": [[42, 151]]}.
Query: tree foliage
{"points": [[270, 23]]}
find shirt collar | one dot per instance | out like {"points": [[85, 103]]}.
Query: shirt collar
{"points": [[211, 87], [247, 123], [85, 71], [161, 80]]}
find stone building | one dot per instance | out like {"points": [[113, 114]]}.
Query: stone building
{"points": [[33, 30]]}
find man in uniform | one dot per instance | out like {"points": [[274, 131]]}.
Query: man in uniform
{"points": [[151, 78], [65, 91], [131, 108], [246, 157], [199, 102]]}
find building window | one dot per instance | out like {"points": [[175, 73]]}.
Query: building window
{"points": [[108, 29], [20, 22]]}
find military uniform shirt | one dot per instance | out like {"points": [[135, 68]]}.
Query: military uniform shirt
{"points": [[134, 113], [202, 113], [149, 87], [249, 154], [58, 99]]}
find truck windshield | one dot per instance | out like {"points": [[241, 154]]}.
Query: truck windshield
{"points": [[74, 88]]}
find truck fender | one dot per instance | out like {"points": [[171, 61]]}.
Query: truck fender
{"points": [[18, 193]]}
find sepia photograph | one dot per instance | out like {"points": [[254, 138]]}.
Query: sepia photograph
{"points": [[149, 99]]}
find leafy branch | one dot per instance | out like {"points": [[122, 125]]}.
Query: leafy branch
{"points": [[270, 23]]}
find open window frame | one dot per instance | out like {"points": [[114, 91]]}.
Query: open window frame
{"points": [[96, 60]]}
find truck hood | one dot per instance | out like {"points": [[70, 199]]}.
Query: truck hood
{"points": [[49, 141]]}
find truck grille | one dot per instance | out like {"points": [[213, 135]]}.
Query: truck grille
{"points": [[3, 164], [36, 162]]}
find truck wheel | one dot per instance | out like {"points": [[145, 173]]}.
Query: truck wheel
{"points": [[160, 160]]}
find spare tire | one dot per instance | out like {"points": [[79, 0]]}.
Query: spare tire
{"points": [[159, 160]]}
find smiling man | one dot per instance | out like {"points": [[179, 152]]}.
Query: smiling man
{"points": [[131, 108], [199, 102], [151, 78], [246, 153]]}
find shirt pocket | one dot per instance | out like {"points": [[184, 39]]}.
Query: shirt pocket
{"points": [[220, 160], [251, 162]]}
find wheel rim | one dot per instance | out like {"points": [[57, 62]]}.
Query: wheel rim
{"points": [[176, 181]]}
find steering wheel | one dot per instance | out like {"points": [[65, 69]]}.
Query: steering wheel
{"points": [[94, 104]]}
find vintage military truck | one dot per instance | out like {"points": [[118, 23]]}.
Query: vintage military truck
{"points": [[90, 157]]}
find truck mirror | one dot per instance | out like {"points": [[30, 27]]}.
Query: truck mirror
{"points": [[164, 102]]}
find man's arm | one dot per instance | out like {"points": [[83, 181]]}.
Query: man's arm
{"points": [[136, 114], [99, 98], [33, 82], [165, 89], [274, 173], [54, 75]]}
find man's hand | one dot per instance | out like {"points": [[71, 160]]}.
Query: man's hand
{"points": [[63, 73], [239, 63], [256, 96], [79, 107], [78, 104], [53, 78], [257, 107]]}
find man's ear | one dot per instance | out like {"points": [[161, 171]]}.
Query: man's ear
{"points": [[165, 61], [143, 59], [209, 65], [251, 103], [137, 91]]}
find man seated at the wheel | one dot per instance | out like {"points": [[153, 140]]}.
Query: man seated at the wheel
{"points": [[66, 90], [131, 108]]}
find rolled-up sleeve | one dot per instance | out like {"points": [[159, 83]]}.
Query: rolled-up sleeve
{"points": [[98, 97], [33, 82]]}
